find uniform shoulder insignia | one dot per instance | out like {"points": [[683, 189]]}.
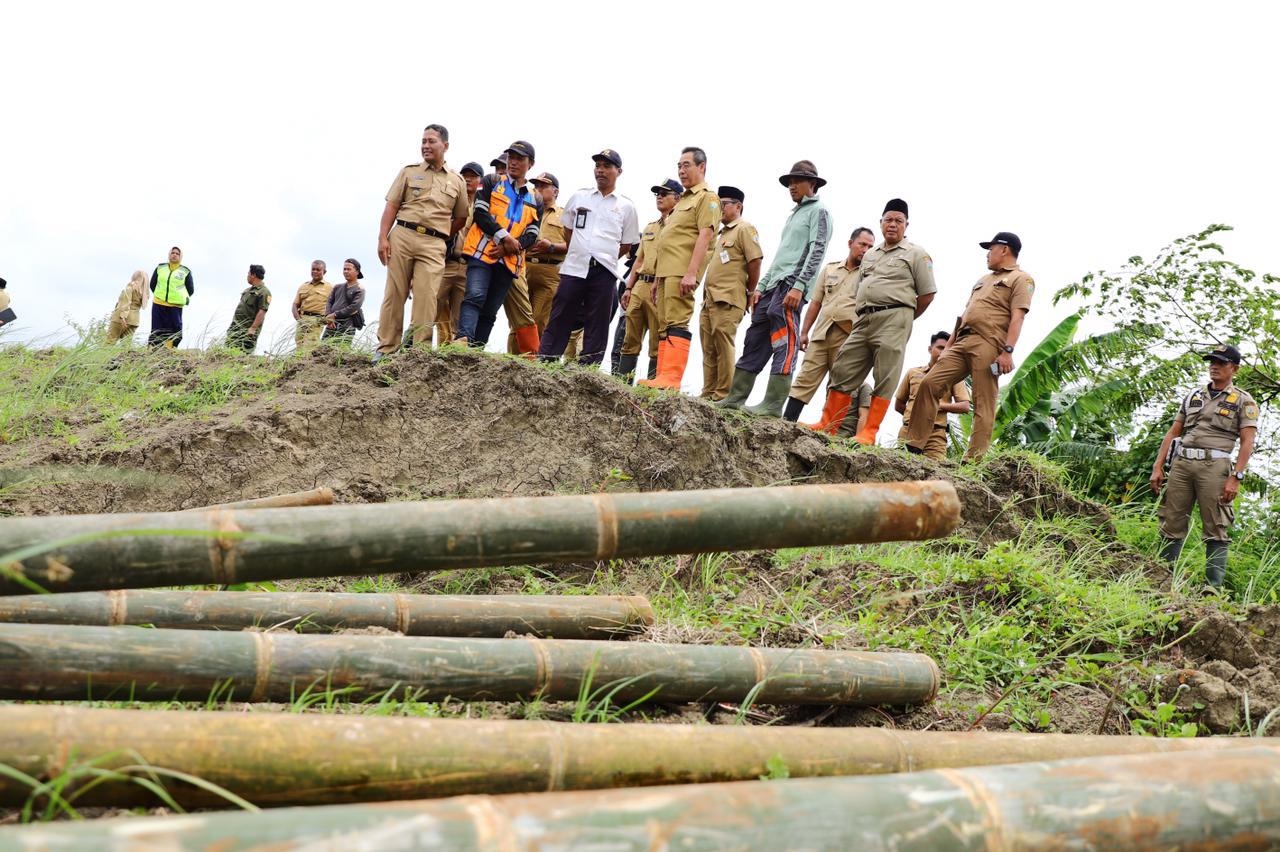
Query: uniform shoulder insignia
{"points": [[268, 298], [1251, 410]]}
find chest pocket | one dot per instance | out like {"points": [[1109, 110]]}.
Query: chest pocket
{"points": [[444, 191], [414, 187]]}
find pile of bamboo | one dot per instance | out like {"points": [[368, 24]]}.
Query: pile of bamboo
{"points": [[365, 781]]}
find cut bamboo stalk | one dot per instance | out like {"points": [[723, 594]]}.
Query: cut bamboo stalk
{"points": [[1227, 799], [41, 661], [561, 616], [273, 759], [322, 496], [225, 546]]}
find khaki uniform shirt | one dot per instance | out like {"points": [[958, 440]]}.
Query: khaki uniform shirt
{"points": [[911, 386], [1212, 420], [836, 293], [698, 208], [429, 196], [552, 231], [994, 299], [312, 298], [4, 300], [130, 304], [895, 275], [252, 300], [649, 247], [734, 248]]}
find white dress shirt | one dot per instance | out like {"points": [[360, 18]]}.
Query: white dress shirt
{"points": [[601, 224]]}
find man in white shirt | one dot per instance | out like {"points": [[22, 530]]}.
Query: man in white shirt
{"points": [[600, 227]]}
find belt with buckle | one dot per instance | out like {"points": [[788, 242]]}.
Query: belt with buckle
{"points": [[647, 279], [422, 229], [312, 313], [548, 261], [875, 309], [1199, 453]]}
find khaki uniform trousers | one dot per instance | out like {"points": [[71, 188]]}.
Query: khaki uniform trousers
{"points": [[518, 308], [417, 266], [118, 329], [1197, 481], [936, 445], [970, 355], [642, 319], [818, 358], [308, 331], [877, 341], [541, 280], [674, 310], [717, 329], [453, 286]]}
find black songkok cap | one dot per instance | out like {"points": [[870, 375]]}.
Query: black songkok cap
{"points": [[896, 205], [732, 192]]}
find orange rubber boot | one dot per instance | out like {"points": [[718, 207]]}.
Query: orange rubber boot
{"points": [[671, 368], [528, 341], [833, 412], [663, 348], [867, 434]]}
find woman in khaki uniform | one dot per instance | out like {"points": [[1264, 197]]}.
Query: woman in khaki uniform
{"points": [[124, 317]]}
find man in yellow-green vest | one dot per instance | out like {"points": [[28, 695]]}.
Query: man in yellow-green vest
{"points": [[171, 288]]}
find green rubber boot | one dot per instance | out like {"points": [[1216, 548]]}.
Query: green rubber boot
{"points": [[625, 369], [775, 396], [743, 383], [1171, 550], [1215, 567]]}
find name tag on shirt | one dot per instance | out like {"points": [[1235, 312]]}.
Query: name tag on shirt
{"points": [[724, 256]]}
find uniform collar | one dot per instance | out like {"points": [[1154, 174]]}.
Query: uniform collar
{"points": [[806, 200], [1208, 386], [431, 168], [320, 283], [900, 244], [1005, 270], [696, 188], [844, 264], [724, 226]]}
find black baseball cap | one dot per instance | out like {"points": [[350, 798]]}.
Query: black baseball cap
{"points": [[1004, 238], [500, 160], [520, 148], [732, 192], [669, 185], [1225, 353], [356, 264], [609, 155], [475, 169], [546, 177]]}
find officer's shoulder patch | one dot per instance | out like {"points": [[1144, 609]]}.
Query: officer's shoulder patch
{"points": [[268, 298], [714, 205], [1251, 410]]}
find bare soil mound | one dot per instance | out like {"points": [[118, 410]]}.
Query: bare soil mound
{"points": [[460, 424], [1231, 677]]}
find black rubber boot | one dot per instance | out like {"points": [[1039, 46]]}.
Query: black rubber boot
{"points": [[1171, 550], [653, 367], [743, 382], [775, 394], [793, 409], [625, 369], [1215, 563]]}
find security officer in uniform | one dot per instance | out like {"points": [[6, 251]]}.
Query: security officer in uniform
{"points": [[172, 286], [637, 298], [426, 206], [896, 286], [731, 279], [309, 307], [453, 285], [985, 336], [683, 254], [1204, 432], [904, 401], [544, 256], [246, 323], [828, 322]]}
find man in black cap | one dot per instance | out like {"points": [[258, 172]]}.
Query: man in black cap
{"points": [[637, 298], [731, 279], [1204, 432], [344, 312], [984, 336], [453, 284], [895, 287], [499, 164], [601, 226]]}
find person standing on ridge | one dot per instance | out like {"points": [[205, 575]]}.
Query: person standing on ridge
{"points": [[731, 279], [127, 313], [172, 286]]}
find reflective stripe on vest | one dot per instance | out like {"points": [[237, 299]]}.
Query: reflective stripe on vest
{"points": [[514, 211], [171, 285]]}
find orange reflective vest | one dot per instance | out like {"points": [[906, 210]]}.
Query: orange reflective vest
{"points": [[515, 210]]}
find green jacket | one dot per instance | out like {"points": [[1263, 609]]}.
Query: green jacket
{"points": [[801, 250]]}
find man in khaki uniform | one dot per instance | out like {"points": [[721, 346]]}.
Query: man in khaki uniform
{"points": [[453, 284], [895, 286], [251, 312], [125, 317], [544, 257], [683, 254], [905, 400], [985, 336], [828, 322], [731, 278], [426, 205], [309, 305], [1204, 432], [637, 298]]}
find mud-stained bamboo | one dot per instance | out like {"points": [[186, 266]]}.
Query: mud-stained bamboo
{"points": [[42, 661], [273, 759], [273, 544], [1228, 799], [315, 497], [561, 616]]}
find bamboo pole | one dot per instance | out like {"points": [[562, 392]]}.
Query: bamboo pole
{"points": [[273, 759], [322, 496], [52, 662], [1225, 800], [225, 546], [561, 616]]}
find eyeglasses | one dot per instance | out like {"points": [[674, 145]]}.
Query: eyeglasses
{"points": [[681, 166], [894, 220]]}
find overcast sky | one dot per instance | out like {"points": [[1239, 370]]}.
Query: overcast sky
{"points": [[268, 133]]}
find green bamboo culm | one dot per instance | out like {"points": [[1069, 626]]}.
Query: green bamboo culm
{"points": [[227, 546]]}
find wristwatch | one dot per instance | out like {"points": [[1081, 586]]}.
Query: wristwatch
{"points": [[1008, 349], [1239, 474]]}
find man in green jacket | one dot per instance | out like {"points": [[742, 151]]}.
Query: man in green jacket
{"points": [[775, 305]]}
